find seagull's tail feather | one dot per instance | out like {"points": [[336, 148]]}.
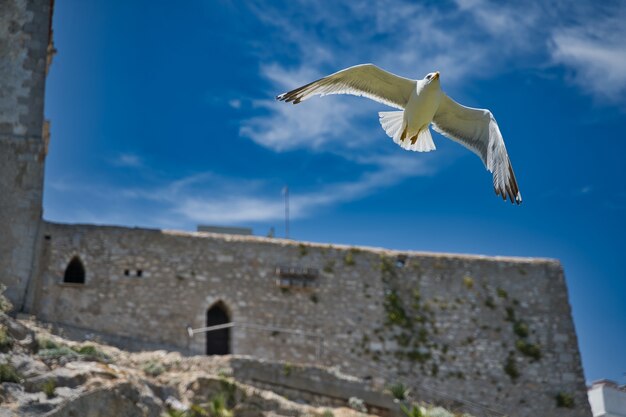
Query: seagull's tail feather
{"points": [[394, 125], [422, 142]]}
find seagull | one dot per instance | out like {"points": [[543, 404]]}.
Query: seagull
{"points": [[421, 103]]}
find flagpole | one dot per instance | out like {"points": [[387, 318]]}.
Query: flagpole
{"points": [[286, 190]]}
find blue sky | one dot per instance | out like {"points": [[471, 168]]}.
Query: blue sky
{"points": [[165, 117]]}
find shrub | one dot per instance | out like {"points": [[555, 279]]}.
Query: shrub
{"points": [[529, 349], [196, 411], [48, 388], [86, 352], [468, 282], [176, 413], [228, 390], [92, 352], [5, 304], [417, 356], [510, 368], [348, 259], [217, 407], [414, 411], [490, 303], [58, 352], [44, 343], [328, 413], [287, 368], [8, 373], [357, 404], [399, 391], [303, 249], [510, 314], [564, 400], [153, 368], [6, 342], [520, 328], [501, 293], [386, 267], [395, 312]]}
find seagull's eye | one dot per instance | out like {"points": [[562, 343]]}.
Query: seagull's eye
{"points": [[429, 76]]}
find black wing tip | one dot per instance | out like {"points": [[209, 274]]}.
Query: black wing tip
{"points": [[290, 97], [508, 194], [510, 190], [295, 96]]}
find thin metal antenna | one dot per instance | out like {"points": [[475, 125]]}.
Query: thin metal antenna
{"points": [[286, 193]]}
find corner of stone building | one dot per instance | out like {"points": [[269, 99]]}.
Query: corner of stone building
{"points": [[26, 46]]}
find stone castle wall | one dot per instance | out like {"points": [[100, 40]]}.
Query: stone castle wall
{"points": [[24, 41], [495, 331]]}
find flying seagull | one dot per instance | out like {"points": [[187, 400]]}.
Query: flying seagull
{"points": [[421, 102]]}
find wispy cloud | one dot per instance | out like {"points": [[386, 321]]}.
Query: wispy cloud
{"points": [[597, 60], [587, 38], [237, 201], [467, 40], [128, 160], [381, 31], [208, 198], [286, 127]]}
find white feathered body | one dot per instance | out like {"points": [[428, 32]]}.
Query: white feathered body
{"points": [[421, 107]]}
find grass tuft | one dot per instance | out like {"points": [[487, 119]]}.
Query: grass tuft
{"points": [[510, 368], [564, 400], [48, 388], [399, 391], [152, 368], [8, 373]]}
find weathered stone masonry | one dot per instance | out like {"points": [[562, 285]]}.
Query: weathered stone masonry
{"points": [[491, 330], [24, 44]]}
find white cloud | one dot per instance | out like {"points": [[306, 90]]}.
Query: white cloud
{"points": [[402, 37], [598, 62], [128, 160], [587, 38], [233, 201], [289, 127], [469, 40], [207, 198], [234, 103]]}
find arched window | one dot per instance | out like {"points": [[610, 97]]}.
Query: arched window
{"points": [[75, 272], [217, 341]]}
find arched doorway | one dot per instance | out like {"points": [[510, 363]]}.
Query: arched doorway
{"points": [[217, 341], [75, 272]]}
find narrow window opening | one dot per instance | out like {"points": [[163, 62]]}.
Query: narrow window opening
{"points": [[139, 272], [126, 272], [75, 272]]}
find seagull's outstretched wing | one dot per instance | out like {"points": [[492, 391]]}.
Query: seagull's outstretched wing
{"points": [[361, 80], [477, 130]]}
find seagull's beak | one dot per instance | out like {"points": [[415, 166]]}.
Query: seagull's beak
{"points": [[436, 76]]}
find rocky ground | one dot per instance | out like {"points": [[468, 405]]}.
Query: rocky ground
{"points": [[42, 374]]}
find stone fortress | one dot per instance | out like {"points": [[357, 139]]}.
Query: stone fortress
{"points": [[492, 331]]}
